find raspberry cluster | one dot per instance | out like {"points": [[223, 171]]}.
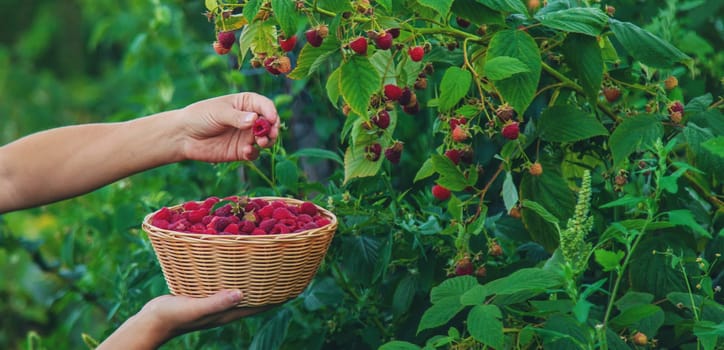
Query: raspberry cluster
{"points": [[239, 215]]}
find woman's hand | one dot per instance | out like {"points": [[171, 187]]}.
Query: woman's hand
{"points": [[168, 316], [221, 129]]}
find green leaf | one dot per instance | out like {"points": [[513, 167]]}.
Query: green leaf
{"points": [[322, 293], [551, 191], [633, 298], [476, 13], [715, 146], [607, 259], [285, 12], [584, 20], [272, 333], [442, 7], [332, 86], [455, 208], [450, 176], [474, 296], [426, 170], [338, 6], [626, 200], [566, 123], [386, 4], [404, 293], [509, 192], [453, 87], [452, 288], [358, 81], [251, 8], [287, 175], [563, 332], [357, 165], [583, 54], [684, 217], [646, 47], [399, 345], [440, 313], [502, 67], [257, 37], [317, 153], [523, 280], [518, 90], [509, 6], [634, 134], [211, 5], [310, 58], [634, 314], [486, 326], [541, 211], [653, 271], [360, 255]]}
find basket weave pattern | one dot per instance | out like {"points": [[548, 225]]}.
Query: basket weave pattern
{"points": [[269, 269]]}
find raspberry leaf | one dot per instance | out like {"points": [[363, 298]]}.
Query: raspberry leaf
{"points": [[648, 48], [634, 134], [566, 123], [519, 89], [486, 326], [585, 57], [584, 20], [503, 67], [506, 6], [310, 57], [286, 15], [453, 87], [442, 7], [358, 81], [251, 8]]}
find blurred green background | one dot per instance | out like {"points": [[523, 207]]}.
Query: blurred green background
{"points": [[82, 266]]}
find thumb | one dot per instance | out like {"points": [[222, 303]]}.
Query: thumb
{"points": [[221, 301], [237, 119]]}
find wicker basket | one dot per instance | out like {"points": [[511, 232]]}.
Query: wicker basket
{"points": [[269, 269]]}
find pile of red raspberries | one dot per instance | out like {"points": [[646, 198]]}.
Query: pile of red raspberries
{"points": [[240, 215]]}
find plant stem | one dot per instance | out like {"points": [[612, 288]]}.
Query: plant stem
{"points": [[571, 84]]}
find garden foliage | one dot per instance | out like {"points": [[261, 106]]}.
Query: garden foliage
{"points": [[507, 174]]}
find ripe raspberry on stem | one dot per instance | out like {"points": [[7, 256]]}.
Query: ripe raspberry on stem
{"points": [[441, 193], [288, 44], [262, 127], [460, 134], [382, 119], [373, 151], [394, 152], [226, 39], [383, 41], [511, 131], [392, 92], [359, 45], [416, 53], [219, 48]]}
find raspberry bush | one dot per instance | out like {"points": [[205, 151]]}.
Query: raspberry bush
{"points": [[507, 174]]}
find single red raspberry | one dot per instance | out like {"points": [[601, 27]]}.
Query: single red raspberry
{"points": [[453, 122], [406, 96], [395, 32], [373, 151], [280, 229], [462, 22], [611, 94], [267, 225], [271, 66], [192, 205], [195, 216], [309, 226], [278, 204], [282, 213], [232, 229], [460, 134], [315, 36], [359, 45], [288, 44], [453, 155], [382, 119], [210, 202], [511, 131], [262, 127], [220, 49], [163, 214], [224, 210], [226, 39], [258, 232], [321, 222], [160, 223], [308, 208], [464, 267], [247, 227], [384, 41], [266, 212], [394, 153], [220, 223], [676, 106], [441, 193], [393, 92], [416, 53]]}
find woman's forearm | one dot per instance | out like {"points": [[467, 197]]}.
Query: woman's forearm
{"points": [[56, 164]]}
